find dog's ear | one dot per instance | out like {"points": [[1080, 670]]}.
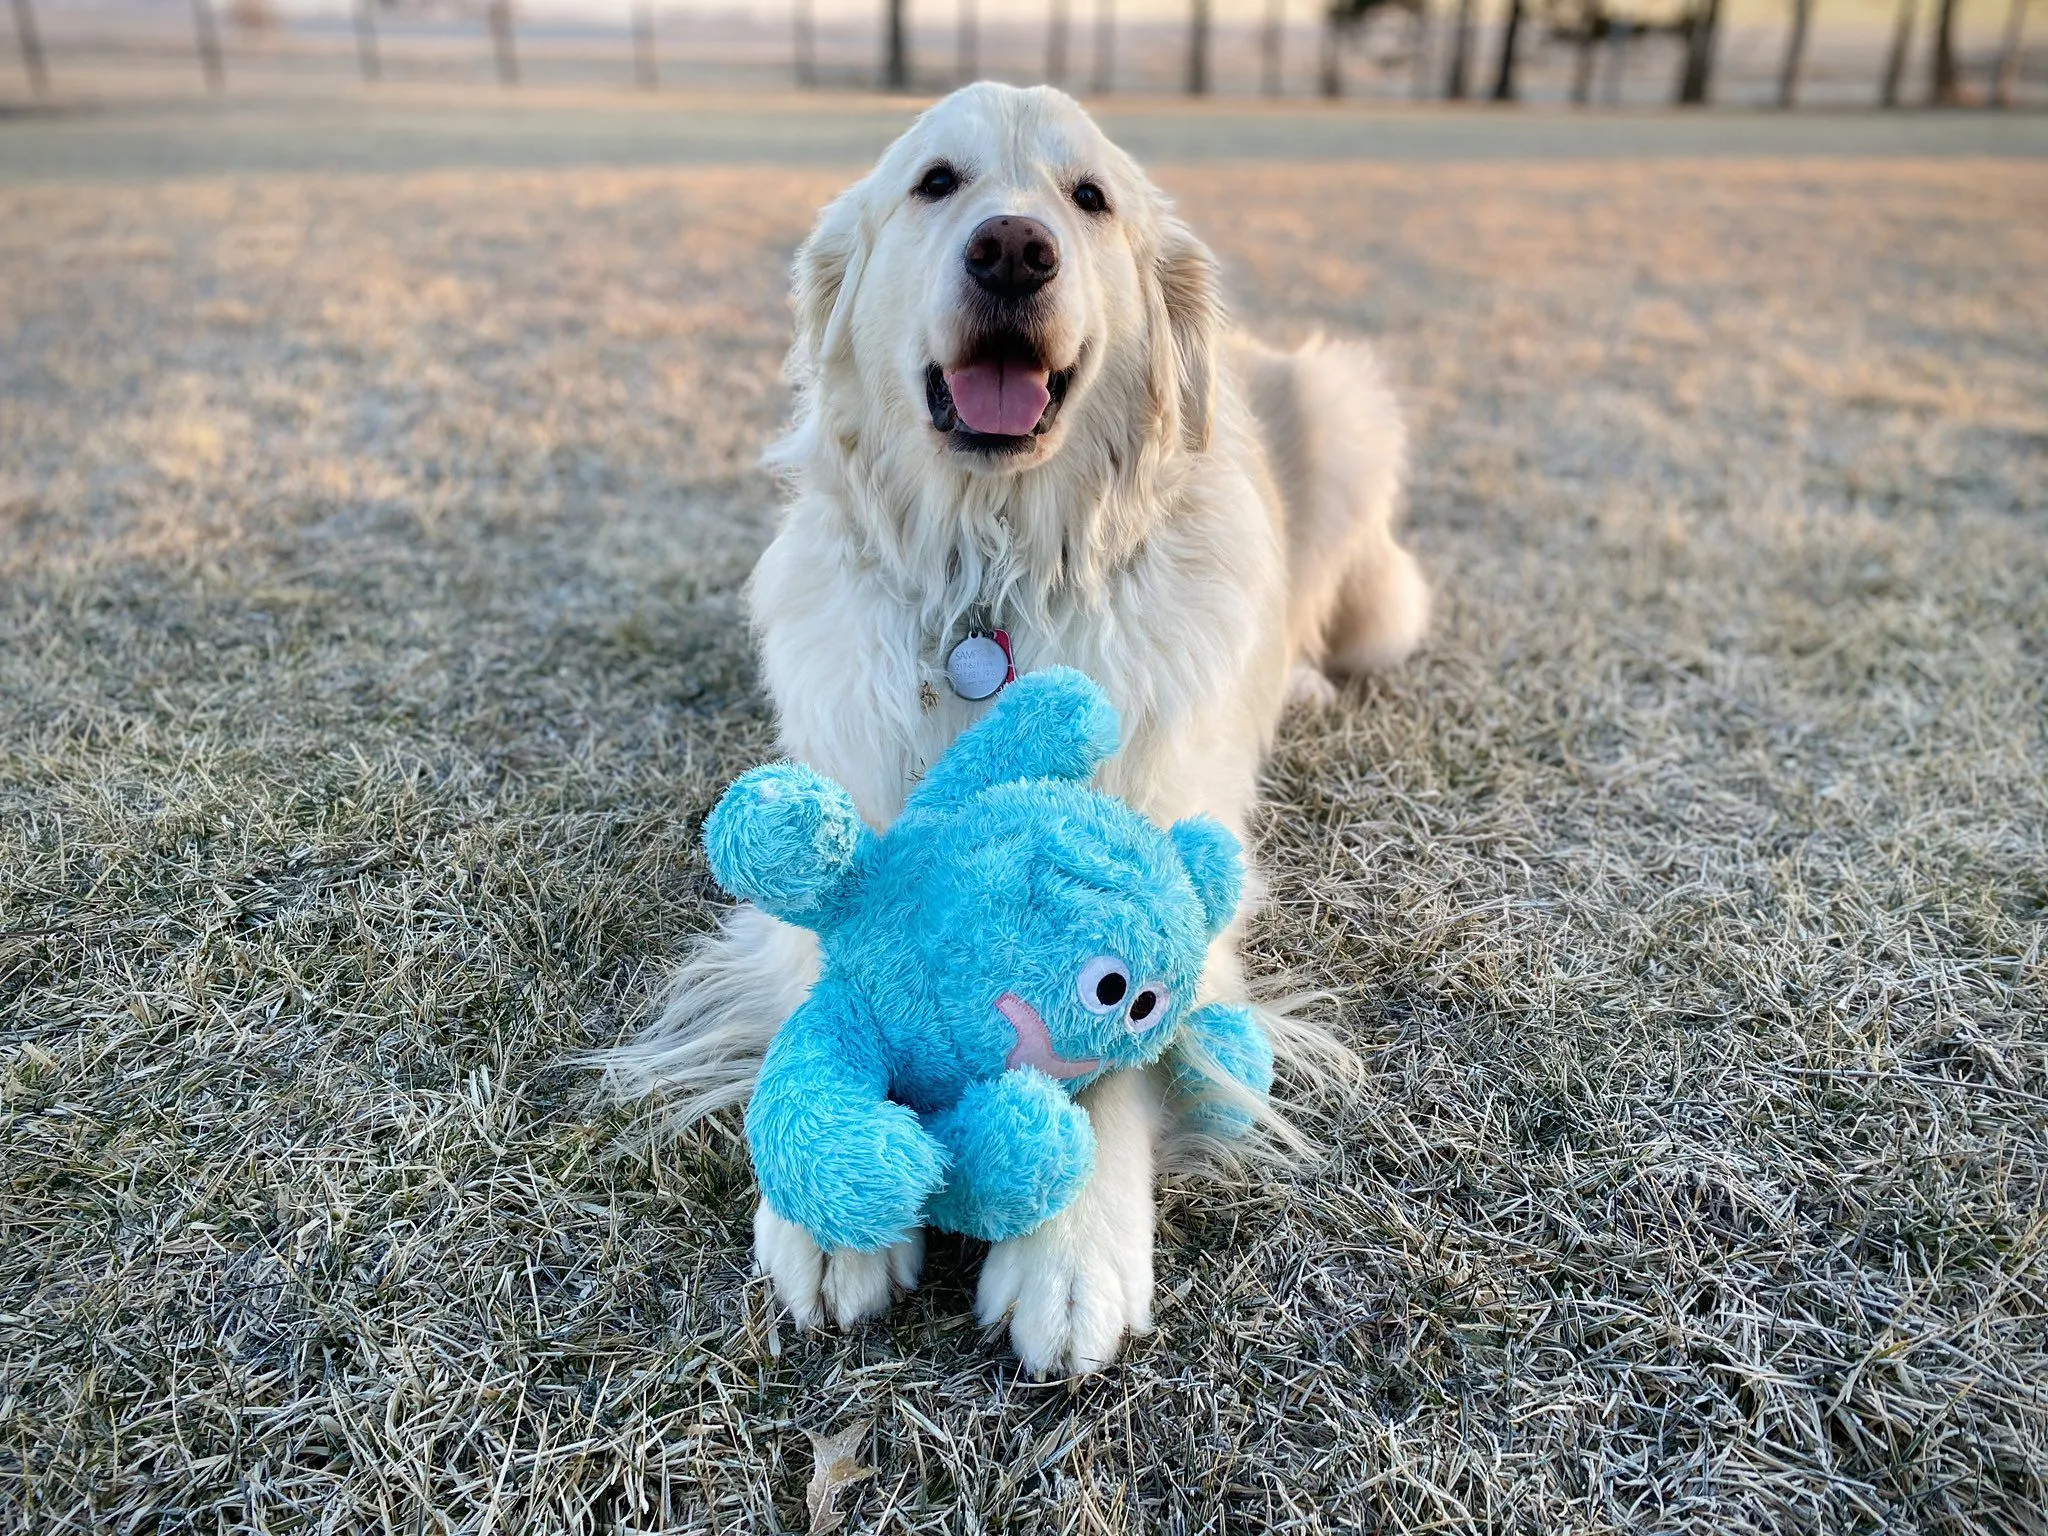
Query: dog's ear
{"points": [[827, 273], [1187, 331]]}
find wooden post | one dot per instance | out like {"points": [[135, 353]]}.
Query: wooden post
{"points": [[1056, 43], [499, 14], [1270, 45], [2007, 74], [1944, 86], [1504, 78], [366, 42], [1696, 76], [1795, 54], [646, 67], [1105, 47], [1198, 47], [1458, 78], [1895, 60], [207, 34], [896, 60], [803, 44], [31, 44]]}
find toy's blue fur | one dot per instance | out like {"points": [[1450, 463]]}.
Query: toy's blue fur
{"points": [[917, 1085]]}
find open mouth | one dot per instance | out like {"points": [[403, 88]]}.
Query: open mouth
{"points": [[999, 399], [1034, 1043]]}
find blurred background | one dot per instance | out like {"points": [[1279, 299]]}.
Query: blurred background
{"points": [[1731, 53]]}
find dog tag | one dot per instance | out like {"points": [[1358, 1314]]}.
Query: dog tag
{"points": [[980, 665]]}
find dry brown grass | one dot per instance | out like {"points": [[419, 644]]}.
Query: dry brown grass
{"points": [[368, 645]]}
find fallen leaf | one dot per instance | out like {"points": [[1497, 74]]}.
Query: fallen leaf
{"points": [[835, 1463]]}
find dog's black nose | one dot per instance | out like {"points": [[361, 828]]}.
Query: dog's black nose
{"points": [[1012, 256]]}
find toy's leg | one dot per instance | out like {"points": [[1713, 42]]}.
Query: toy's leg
{"points": [[1075, 1286], [847, 1286], [1229, 1042], [831, 1152], [1019, 1151]]}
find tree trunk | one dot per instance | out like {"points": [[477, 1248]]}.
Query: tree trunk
{"points": [[2007, 75], [1944, 88], [1590, 30], [1269, 47], [896, 63], [1696, 80], [366, 42], [502, 40], [646, 68], [1198, 48], [1504, 80], [207, 35], [803, 44], [31, 42], [1105, 46], [1458, 80], [967, 44], [1419, 86], [1895, 58], [1795, 53], [1056, 43]]}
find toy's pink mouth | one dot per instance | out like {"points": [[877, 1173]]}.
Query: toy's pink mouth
{"points": [[1034, 1045]]}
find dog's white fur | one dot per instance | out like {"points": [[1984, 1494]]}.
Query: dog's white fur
{"points": [[1206, 528]]}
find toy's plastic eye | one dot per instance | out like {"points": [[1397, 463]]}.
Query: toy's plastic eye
{"points": [[1104, 983], [1147, 1008]]}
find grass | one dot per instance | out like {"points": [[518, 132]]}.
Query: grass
{"points": [[369, 643]]}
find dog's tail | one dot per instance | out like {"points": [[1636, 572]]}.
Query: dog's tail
{"points": [[703, 1049]]}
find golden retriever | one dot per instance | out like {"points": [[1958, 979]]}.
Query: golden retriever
{"points": [[1019, 409]]}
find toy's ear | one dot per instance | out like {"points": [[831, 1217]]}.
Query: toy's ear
{"points": [[786, 838], [1215, 863]]}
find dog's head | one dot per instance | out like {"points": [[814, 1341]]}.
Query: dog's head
{"points": [[1005, 283]]}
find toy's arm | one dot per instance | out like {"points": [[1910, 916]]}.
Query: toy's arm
{"points": [[788, 839], [1054, 724], [1020, 1151], [1223, 1057], [831, 1152]]}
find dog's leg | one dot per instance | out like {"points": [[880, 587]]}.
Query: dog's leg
{"points": [[1382, 608], [1075, 1286]]}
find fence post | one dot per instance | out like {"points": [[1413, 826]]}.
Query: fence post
{"points": [[1105, 47], [31, 43], [207, 35], [499, 14], [1795, 53], [1198, 47], [646, 69], [2007, 73], [1504, 81], [366, 42], [1457, 79], [1895, 59], [1056, 43]]}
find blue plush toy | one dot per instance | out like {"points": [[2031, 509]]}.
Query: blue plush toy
{"points": [[1011, 938]]}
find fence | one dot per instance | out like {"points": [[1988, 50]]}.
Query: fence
{"points": [[1927, 53]]}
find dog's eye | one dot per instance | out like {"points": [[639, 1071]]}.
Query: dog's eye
{"points": [[940, 181], [1103, 983], [1147, 1008], [1089, 199]]}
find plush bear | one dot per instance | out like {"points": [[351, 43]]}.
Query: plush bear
{"points": [[1011, 938]]}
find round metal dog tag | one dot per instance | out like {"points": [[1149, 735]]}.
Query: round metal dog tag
{"points": [[977, 667]]}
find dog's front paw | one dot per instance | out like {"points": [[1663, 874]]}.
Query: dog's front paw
{"points": [[1071, 1290], [811, 1284]]}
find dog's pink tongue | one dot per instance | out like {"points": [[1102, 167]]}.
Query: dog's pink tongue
{"points": [[1000, 399]]}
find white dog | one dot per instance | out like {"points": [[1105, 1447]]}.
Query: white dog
{"points": [[1018, 410]]}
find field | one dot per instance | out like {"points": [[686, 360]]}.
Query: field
{"points": [[370, 551]]}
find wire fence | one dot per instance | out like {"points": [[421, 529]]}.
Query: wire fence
{"points": [[1589, 52]]}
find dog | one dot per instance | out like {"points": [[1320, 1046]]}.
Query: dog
{"points": [[1021, 420]]}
